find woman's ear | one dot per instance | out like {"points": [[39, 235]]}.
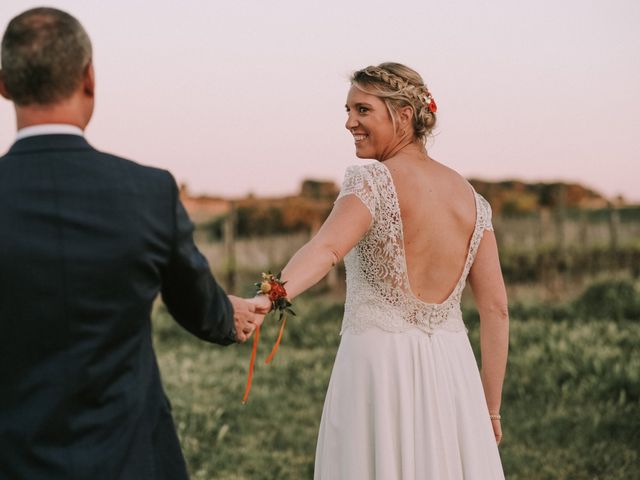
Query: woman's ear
{"points": [[405, 117]]}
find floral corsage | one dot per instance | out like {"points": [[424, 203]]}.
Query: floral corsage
{"points": [[273, 288]]}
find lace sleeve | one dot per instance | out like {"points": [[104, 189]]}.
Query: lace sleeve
{"points": [[359, 182], [485, 214]]}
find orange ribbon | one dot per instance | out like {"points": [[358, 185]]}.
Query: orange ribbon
{"points": [[277, 344], [251, 365], [267, 361]]}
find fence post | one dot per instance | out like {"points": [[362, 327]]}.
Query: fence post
{"points": [[230, 247], [583, 230], [543, 226], [560, 220], [614, 227]]}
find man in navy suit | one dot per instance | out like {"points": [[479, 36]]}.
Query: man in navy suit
{"points": [[87, 242]]}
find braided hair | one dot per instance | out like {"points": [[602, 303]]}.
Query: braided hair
{"points": [[400, 86]]}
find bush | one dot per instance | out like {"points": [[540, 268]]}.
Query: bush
{"points": [[606, 299], [612, 299]]}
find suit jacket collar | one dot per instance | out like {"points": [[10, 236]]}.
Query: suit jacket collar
{"points": [[53, 142]]}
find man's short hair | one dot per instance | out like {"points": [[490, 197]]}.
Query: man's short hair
{"points": [[45, 52]]}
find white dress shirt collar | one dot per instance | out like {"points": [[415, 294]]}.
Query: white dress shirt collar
{"points": [[49, 129]]}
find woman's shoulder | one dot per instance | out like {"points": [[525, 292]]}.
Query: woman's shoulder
{"points": [[365, 169], [363, 182], [372, 174]]}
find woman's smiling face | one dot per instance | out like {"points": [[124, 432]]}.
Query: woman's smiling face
{"points": [[370, 123]]}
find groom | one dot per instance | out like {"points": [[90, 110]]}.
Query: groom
{"points": [[87, 241]]}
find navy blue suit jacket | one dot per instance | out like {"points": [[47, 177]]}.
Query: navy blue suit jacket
{"points": [[87, 242]]}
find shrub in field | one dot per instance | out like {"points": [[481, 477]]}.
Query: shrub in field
{"points": [[604, 299], [613, 299], [540, 310]]}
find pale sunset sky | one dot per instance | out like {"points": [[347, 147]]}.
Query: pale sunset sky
{"points": [[248, 95]]}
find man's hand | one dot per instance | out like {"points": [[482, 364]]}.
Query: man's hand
{"points": [[245, 317]]}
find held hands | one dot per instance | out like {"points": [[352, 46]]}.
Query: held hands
{"points": [[247, 317], [248, 314]]}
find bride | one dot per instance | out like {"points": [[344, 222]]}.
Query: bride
{"points": [[406, 400]]}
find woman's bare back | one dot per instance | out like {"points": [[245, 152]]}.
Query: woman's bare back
{"points": [[438, 212]]}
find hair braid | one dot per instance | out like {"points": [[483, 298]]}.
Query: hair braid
{"points": [[389, 78]]}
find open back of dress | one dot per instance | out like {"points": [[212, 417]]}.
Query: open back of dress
{"points": [[377, 277]]}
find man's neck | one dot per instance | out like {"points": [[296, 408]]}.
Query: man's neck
{"points": [[43, 118], [48, 129], [67, 112]]}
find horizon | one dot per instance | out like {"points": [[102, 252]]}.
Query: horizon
{"points": [[568, 182], [247, 98]]}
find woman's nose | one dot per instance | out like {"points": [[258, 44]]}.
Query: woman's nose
{"points": [[351, 123]]}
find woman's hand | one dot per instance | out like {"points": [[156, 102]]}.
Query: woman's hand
{"points": [[497, 429], [262, 304]]}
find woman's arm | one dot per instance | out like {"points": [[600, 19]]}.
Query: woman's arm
{"points": [[490, 294], [347, 223]]}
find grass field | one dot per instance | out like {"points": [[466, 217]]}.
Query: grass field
{"points": [[571, 407]]}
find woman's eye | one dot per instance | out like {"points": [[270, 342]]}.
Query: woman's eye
{"points": [[363, 109]]}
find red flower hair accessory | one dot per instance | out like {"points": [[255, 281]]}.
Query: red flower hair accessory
{"points": [[433, 108]]}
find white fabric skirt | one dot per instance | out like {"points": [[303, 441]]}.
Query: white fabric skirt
{"points": [[406, 406]]}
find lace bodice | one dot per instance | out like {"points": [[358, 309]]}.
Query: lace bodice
{"points": [[378, 290]]}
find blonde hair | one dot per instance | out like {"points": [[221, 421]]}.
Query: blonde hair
{"points": [[399, 86]]}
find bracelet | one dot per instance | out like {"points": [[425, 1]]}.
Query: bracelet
{"points": [[495, 416], [273, 288]]}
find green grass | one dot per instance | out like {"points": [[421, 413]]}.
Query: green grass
{"points": [[571, 407]]}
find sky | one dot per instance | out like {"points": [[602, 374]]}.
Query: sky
{"points": [[247, 96]]}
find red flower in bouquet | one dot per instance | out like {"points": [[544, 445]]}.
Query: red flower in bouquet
{"points": [[277, 291]]}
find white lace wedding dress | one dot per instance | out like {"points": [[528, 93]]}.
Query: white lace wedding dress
{"points": [[405, 400]]}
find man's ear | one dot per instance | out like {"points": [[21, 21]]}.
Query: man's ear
{"points": [[3, 87], [89, 81]]}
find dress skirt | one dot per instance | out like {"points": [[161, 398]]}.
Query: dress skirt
{"points": [[406, 406]]}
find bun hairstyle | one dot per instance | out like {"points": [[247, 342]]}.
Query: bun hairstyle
{"points": [[400, 86]]}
